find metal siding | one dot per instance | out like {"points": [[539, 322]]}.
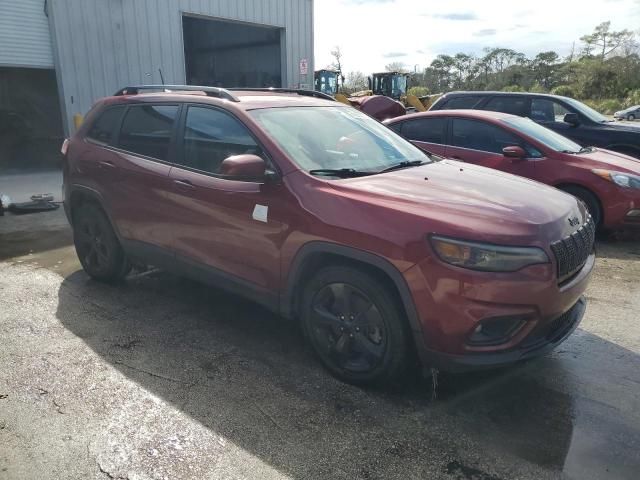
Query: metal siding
{"points": [[25, 40], [101, 46]]}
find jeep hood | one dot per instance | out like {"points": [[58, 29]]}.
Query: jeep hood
{"points": [[476, 202]]}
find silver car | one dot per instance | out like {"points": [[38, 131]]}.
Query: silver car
{"points": [[630, 113]]}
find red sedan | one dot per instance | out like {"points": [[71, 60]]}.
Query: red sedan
{"points": [[608, 182]]}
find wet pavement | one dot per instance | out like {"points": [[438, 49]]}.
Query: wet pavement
{"points": [[164, 378]]}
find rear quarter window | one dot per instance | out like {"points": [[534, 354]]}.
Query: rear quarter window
{"points": [[105, 127]]}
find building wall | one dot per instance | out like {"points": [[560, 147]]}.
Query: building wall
{"points": [[100, 46], [24, 34]]}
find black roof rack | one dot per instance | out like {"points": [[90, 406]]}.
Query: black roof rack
{"points": [[301, 92], [209, 91]]}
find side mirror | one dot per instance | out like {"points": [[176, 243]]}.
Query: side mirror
{"points": [[514, 152], [572, 119], [244, 167]]}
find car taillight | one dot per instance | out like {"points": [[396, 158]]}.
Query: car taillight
{"points": [[65, 147]]}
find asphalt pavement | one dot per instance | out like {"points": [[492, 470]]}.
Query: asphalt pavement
{"points": [[163, 378]]}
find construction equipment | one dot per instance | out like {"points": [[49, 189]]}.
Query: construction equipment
{"points": [[327, 81], [420, 104], [389, 84]]}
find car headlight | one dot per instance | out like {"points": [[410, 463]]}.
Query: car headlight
{"points": [[625, 180], [485, 257]]}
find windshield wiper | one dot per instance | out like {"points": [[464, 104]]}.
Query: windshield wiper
{"points": [[339, 172], [586, 150], [405, 164]]}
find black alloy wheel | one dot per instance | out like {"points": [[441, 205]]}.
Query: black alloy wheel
{"points": [[97, 246], [355, 326]]}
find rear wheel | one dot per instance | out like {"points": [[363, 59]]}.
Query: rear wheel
{"points": [[97, 246], [354, 326], [589, 199], [631, 117]]}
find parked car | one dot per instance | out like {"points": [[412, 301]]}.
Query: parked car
{"points": [[322, 214], [564, 115], [608, 182], [630, 113]]}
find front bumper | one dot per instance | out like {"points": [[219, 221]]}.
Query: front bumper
{"points": [[535, 345], [452, 302]]}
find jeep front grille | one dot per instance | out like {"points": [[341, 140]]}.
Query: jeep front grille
{"points": [[573, 251]]}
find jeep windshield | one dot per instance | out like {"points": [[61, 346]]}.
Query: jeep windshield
{"points": [[338, 142], [547, 137]]}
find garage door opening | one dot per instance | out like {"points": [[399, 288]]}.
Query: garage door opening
{"points": [[30, 119], [228, 54]]}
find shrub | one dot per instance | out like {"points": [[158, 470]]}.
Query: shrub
{"points": [[537, 88], [513, 88], [607, 106], [633, 98], [418, 91], [565, 91]]}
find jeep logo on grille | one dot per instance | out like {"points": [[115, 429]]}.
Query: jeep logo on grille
{"points": [[574, 221]]}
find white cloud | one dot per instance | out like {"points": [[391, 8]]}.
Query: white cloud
{"points": [[372, 33]]}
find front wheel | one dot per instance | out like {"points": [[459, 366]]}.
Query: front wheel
{"points": [[97, 246], [355, 326]]}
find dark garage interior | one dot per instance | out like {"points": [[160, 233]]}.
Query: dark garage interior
{"points": [[232, 54], [30, 119]]}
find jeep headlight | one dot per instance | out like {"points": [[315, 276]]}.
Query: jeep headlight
{"points": [[486, 257]]}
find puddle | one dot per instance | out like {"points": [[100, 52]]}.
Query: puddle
{"points": [[563, 432], [40, 241]]}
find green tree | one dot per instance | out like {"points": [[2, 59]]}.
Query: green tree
{"points": [[603, 41], [545, 68]]}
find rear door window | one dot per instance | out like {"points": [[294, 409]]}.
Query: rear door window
{"points": [[104, 129], [429, 130], [147, 130], [211, 136], [545, 110], [464, 102], [508, 104], [477, 135]]}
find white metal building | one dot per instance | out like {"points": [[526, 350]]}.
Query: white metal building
{"points": [[95, 47]]}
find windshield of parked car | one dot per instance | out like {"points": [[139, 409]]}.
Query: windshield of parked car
{"points": [[547, 137], [587, 111], [334, 138]]}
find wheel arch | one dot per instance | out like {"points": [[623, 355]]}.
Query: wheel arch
{"points": [[563, 185], [317, 254], [80, 195]]}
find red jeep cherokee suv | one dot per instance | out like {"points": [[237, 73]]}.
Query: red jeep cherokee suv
{"points": [[320, 213]]}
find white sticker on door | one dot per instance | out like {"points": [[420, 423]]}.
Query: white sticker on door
{"points": [[260, 213]]}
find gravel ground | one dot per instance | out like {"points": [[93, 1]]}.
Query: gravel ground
{"points": [[162, 378]]}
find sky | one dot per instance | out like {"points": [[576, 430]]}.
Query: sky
{"points": [[374, 33]]}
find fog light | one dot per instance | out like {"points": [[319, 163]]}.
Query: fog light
{"points": [[497, 330]]}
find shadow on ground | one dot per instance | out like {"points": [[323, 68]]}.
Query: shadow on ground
{"points": [[245, 374]]}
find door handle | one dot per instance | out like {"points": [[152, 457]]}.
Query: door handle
{"points": [[184, 184], [107, 164]]}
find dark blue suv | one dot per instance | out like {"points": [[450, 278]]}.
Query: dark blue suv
{"points": [[566, 116]]}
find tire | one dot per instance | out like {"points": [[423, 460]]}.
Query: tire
{"points": [[97, 245], [590, 200], [631, 117], [355, 326]]}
